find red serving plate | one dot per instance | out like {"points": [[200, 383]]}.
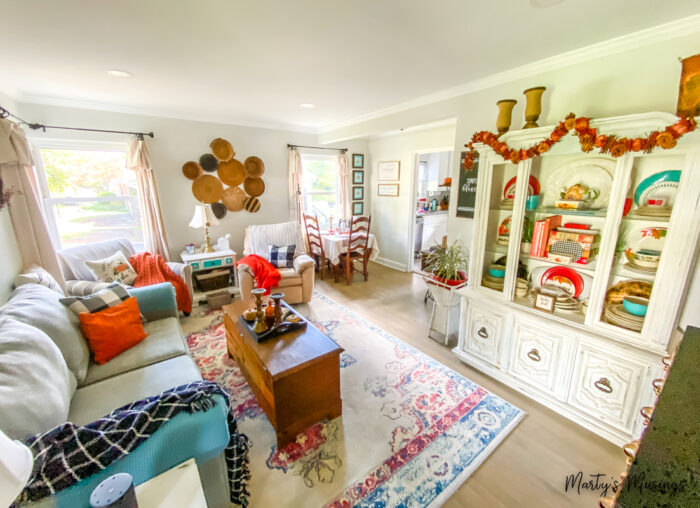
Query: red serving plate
{"points": [[534, 186], [566, 272]]}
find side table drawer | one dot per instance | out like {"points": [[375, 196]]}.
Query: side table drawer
{"points": [[483, 333], [536, 355], [605, 385]]}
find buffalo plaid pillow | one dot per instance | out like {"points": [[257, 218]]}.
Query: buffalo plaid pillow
{"points": [[113, 295], [282, 257]]}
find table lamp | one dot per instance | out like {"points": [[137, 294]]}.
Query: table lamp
{"points": [[15, 468], [204, 218]]}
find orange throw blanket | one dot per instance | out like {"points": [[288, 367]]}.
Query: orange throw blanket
{"points": [[152, 269], [266, 275]]}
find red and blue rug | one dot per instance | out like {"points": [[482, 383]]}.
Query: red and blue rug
{"points": [[412, 430]]}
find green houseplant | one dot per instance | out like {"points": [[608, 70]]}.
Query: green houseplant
{"points": [[449, 264]]}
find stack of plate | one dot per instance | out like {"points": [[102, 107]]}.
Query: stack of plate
{"points": [[521, 288], [660, 212], [492, 282], [562, 300], [616, 315], [507, 204], [631, 265]]}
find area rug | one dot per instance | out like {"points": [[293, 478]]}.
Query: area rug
{"points": [[412, 430]]}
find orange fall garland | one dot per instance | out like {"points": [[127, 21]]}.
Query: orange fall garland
{"points": [[588, 138]]}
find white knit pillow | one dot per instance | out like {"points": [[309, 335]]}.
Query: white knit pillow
{"points": [[37, 275], [115, 268]]}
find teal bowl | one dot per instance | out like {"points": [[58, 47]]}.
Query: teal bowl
{"points": [[636, 305], [497, 271]]}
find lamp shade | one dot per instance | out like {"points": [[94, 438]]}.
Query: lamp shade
{"points": [[202, 215], [15, 467]]}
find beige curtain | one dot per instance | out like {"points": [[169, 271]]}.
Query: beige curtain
{"points": [[344, 182], [296, 186], [139, 160], [26, 212]]}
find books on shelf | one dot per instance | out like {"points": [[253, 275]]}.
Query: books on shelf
{"points": [[540, 234]]}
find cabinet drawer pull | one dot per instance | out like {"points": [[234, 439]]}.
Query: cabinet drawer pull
{"points": [[483, 333], [534, 355], [646, 413], [603, 384], [658, 385]]}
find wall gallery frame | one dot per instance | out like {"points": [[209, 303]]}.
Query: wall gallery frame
{"points": [[358, 177], [358, 208], [388, 189], [358, 193], [388, 171], [358, 160]]}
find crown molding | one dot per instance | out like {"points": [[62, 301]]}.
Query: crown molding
{"points": [[645, 37], [132, 110]]}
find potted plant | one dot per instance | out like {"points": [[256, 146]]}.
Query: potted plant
{"points": [[449, 264], [526, 241]]}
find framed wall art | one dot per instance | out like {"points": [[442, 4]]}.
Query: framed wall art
{"points": [[358, 193], [358, 160], [388, 171], [358, 208], [358, 177], [388, 189]]}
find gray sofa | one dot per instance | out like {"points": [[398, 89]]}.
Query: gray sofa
{"points": [[39, 335], [72, 261]]}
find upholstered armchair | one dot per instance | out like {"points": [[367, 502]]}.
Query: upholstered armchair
{"points": [[80, 280], [297, 283]]}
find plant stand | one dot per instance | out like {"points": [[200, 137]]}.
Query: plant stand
{"points": [[444, 318]]}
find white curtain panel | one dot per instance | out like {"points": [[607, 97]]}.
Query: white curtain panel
{"points": [[296, 187], [26, 212], [139, 160], [344, 183]]}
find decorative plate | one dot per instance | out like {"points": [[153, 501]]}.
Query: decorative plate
{"points": [[533, 189], [647, 239], [593, 172], [565, 278], [628, 288], [504, 227], [664, 183]]}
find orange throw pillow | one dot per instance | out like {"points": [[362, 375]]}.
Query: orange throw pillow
{"points": [[114, 330]]}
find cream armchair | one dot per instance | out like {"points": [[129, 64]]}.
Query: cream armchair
{"points": [[297, 283]]}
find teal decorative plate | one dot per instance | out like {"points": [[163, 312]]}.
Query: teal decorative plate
{"points": [[654, 183]]}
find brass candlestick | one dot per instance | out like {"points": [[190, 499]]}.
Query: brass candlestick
{"points": [[260, 325], [533, 106], [277, 298]]}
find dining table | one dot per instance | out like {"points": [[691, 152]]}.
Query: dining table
{"points": [[335, 244]]}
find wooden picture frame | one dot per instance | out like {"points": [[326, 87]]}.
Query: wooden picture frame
{"points": [[358, 208], [388, 171], [358, 160], [358, 177], [388, 189], [358, 193], [543, 302]]}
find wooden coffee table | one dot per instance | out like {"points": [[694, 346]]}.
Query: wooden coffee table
{"points": [[295, 376]]}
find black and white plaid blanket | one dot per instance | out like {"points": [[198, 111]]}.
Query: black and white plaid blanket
{"points": [[69, 453]]}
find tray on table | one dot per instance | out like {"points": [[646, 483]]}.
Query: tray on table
{"points": [[281, 329]]}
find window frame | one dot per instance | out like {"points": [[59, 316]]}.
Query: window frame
{"points": [[48, 202], [336, 193]]}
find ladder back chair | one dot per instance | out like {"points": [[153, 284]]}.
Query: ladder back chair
{"points": [[313, 237], [358, 249]]}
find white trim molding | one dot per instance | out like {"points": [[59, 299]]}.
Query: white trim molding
{"points": [[391, 264]]}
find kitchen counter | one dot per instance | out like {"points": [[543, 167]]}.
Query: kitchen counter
{"points": [[431, 213]]}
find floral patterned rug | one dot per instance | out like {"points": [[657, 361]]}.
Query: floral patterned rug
{"points": [[412, 430]]}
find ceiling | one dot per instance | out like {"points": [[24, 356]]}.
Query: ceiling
{"points": [[253, 62]]}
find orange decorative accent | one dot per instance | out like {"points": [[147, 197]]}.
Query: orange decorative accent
{"points": [[112, 331], [588, 139], [689, 90]]}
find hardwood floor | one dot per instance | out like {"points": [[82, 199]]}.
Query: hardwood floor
{"points": [[529, 468]]}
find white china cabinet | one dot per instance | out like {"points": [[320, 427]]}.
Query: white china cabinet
{"points": [[590, 359]]}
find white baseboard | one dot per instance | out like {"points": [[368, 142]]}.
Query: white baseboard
{"points": [[391, 264]]}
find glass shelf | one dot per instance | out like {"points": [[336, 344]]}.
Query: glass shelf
{"points": [[503, 249], [575, 317], [646, 218], [551, 210]]}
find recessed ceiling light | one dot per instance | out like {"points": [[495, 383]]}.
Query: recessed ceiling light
{"points": [[119, 73], [307, 105], [543, 4]]}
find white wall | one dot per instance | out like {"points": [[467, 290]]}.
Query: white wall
{"points": [[9, 255], [391, 216], [177, 141]]}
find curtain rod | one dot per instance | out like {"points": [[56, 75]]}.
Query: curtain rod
{"points": [[317, 147], [36, 126]]}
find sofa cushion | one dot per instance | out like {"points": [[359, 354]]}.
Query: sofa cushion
{"points": [[113, 295], [290, 277], [282, 257], [36, 385], [114, 268], [37, 275], [99, 399], [40, 307], [164, 341], [73, 259]]}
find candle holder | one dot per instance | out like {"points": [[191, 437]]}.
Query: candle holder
{"points": [[260, 325], [533, 106], [277, 298], [505, 111]]}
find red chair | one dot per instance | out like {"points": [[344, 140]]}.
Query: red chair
{"points": [[313, 237], [358, 249]]}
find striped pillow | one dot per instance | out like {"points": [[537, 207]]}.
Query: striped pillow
{"points": [[113, 295], [84, 287]]}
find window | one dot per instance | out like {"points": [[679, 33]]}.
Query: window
{"points": [[320, 174], [89, 194]]}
